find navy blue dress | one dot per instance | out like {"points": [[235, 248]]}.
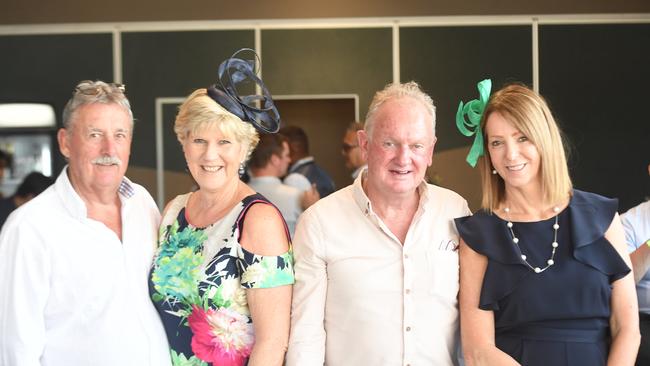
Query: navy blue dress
{"points": [[560, 316]]}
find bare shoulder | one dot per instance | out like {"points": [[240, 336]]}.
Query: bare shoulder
{"points": [[264, 231]]}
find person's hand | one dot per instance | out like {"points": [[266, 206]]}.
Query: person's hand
{"points": [[309, 197]]}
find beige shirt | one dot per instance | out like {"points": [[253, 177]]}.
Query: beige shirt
{"points": [[361, 298]]}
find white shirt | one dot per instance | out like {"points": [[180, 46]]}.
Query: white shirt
{"points": [[361, 298], [72, 293], [298, 180], [358, 171], [284, 197], [636, 222]]}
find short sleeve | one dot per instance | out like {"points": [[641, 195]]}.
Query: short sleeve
{"points": [[505, 269], [265, 271], [591, 216], [636, 222], [480, 231]]}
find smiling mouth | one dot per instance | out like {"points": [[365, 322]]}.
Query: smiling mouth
{"points": [[517, 167], [400, 172], [211, 169]]}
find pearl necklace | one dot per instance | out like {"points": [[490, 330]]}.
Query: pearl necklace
{"points": [[554, 244]]}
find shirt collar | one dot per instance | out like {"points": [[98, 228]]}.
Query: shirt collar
{"points": [[305, 160], [358, 171], [73, 202]]}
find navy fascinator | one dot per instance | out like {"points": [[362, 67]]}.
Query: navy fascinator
{"points": [[235, 72]]}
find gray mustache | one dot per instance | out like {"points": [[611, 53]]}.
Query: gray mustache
{"points": [[107, 160]]}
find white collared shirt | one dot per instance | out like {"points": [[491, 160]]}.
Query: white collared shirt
{"points": [[363, 298], [284, 197], [358, 171], [298, 180], [636, 222], [72, 293]]}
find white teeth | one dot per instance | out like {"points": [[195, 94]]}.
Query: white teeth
{"points": [[211, 169], [516, 167]]}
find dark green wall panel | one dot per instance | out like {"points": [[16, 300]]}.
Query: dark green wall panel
{"points": [[448, 62], [45, 69], [328, 61], [171, 64], [596, 78]]}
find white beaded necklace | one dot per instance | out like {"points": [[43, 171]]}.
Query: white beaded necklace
{"points": [[554, 244]]}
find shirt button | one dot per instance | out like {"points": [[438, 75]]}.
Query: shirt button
{"points": [[408, 329], [406, 256], [408, 291]]}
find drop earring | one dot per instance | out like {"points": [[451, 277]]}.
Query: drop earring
{"points": [[242, 169], [494, 171]]}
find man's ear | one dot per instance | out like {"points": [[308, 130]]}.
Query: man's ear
{"points": [[62, 138], [274, 160], [362, 140], [433, 145]]}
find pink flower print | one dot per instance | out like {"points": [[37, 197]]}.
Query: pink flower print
{"points": [[222, 337]]}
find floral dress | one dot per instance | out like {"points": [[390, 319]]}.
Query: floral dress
{"points": [[198, 284]]}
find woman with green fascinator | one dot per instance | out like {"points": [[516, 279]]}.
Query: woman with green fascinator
{"points": [[544, 272]]}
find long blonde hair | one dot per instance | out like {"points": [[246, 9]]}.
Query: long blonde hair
{"points": [[529, 113]]}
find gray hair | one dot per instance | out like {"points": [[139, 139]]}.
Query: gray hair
{"points": [[91, 92], [395, 91]]}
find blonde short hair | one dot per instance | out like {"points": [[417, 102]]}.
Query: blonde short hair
{"points": [[199, 111], [529, 113]]}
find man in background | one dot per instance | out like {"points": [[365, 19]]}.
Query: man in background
{"points": [[270, 161], [636, 222], [354, 159], [33, 184], [304, 172], [5, 163], [74, 261]]}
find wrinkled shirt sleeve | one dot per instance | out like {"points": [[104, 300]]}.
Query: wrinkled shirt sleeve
{"points": [[630, 221], [24, 290], [307, 340]]}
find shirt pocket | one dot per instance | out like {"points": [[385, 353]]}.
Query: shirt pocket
{"points": [[444, 270]]}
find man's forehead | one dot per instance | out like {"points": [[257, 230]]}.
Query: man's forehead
{"points": [[111, 128]]}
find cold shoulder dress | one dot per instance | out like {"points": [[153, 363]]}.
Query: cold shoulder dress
{"points": [[559, 316], [198, 285]]}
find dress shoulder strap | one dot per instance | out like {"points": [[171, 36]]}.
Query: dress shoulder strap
{"points": [[248, 202]]}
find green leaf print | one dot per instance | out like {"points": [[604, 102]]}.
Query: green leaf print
{"points": [[181, 360]]}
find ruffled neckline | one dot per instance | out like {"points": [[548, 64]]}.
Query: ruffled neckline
{"points": [[590, 215]]}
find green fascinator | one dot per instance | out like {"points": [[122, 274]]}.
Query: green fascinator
{"points": [[471, 125]]}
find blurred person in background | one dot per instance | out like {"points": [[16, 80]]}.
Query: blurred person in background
{"points": [[33, 184], [354, 159]]}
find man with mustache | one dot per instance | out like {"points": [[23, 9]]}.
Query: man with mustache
{"points": [[74, 261]]}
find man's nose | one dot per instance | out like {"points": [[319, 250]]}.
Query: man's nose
{"points": [[108, 146]]}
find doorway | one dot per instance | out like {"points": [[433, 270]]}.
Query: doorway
{"points": [[324, 120]]}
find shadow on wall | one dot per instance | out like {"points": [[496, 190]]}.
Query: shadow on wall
{"points": [[450, 170]]}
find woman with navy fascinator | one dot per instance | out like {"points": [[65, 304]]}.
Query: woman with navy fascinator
{"points": [[223, 274], [544, 273]]}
